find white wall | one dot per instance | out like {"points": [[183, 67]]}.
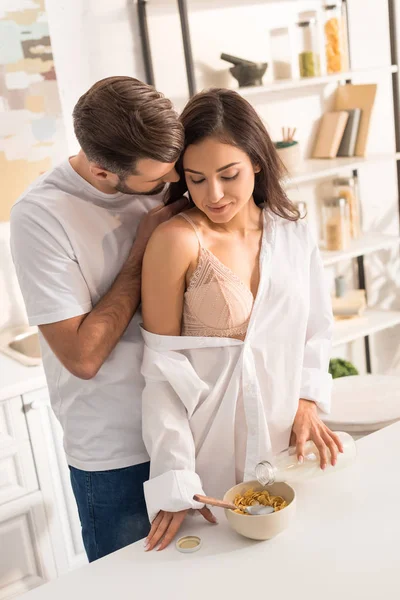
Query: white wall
{"points": [[12, 309], [93, 39]]}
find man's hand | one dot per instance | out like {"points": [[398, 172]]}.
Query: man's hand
{"points": [[154, 218], [167, 524]]}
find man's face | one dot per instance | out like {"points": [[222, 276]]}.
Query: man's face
{"points": [[149, 179]]}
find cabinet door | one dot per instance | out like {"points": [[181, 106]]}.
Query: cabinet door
{"points": [[12, 422], [17, 469], [17, 472], [26, 557], [53, 474]]}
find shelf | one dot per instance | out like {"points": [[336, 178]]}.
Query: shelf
{"points": [[294, 84], [369, 242], [313, 169], [371, 322]]}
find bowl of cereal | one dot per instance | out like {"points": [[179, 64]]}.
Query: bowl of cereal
{"points": [[280, 496]]}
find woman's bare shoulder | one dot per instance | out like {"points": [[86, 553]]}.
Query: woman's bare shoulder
{"points": [[173, 242]]}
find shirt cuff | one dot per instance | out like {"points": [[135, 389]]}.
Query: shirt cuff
{"points": [[316, 386], [171, 492]]}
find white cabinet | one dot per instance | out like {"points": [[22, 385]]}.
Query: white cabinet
{"points": [[17, 472], [17, 469], [26, 556], [53, 474], [40, 536]]}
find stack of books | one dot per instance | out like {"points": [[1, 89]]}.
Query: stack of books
{"points": [[344, 130]]}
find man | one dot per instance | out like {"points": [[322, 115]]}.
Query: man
{"points": [[78, 236]]}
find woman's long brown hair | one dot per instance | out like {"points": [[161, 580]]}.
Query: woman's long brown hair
{"points": [[225, 115]]}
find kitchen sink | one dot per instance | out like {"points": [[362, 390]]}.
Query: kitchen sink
{"points": [[22, 344]]}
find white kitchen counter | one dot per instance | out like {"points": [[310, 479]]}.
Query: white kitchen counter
{"points": [[17, 379], [343, 545]]}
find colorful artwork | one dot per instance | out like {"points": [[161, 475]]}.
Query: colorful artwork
{"points": [[31, 130]]}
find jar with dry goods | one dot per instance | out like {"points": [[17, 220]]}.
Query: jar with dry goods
{"points": [[302, 208], [347, 187], [308, 48], [335, 32], [336, 224]]}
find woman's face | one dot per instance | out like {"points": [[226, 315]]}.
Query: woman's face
{"points": [[219, 177]]}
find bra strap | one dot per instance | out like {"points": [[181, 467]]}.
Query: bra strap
{"points": [[189, 220]]}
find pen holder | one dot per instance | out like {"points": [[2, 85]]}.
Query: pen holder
{"points": [[290, 155]]}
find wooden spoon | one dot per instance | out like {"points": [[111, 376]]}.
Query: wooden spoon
{"points": [[256, 509]]}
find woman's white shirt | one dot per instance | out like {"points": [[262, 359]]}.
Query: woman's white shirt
{"points": [[192, 384]]}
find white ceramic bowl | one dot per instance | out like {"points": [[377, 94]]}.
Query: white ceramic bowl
{"points": [[262, 527]]}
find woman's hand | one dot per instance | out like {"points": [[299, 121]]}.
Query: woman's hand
{"points": [[308, 426], [167, 524]]}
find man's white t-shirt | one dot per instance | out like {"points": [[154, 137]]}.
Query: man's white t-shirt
{"points": [[69, 241]]}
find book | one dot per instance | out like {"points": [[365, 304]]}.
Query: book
{"points": [[351, 96], [348, 144], [352, 304], [330, 133]]}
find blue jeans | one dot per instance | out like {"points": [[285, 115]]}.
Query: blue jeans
{"points": [[111, 507]]}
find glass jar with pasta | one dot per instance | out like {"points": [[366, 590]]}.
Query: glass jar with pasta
{"points": [[335, 32], [286, 468]]}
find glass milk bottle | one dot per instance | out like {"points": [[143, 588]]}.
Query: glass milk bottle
{"points": [[285, 466]]}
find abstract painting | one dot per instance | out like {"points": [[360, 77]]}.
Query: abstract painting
{"points": [[31, 130]]}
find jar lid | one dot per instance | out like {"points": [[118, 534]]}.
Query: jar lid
{"points": [[336, 201], [306, 23], [188, 543], [301, 205], [343, 181]]}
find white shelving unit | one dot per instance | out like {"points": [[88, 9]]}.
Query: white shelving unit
{"points": [[314, 169], [294, 84], [252, 93], [366, 244], [371, 322]]}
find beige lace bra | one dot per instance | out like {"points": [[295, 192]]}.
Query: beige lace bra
{"points": [[216, 303]]}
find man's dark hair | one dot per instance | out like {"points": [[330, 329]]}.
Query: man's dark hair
{"points": [[121, 120]]}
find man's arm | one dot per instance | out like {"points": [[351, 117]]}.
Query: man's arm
{"points": [[83, 343]]}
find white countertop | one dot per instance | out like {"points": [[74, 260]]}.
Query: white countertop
{"points": [[344, 544], [16, 379]]}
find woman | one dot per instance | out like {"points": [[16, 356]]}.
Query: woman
{"points": [[237, 320]]}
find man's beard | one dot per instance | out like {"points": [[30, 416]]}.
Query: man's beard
{"points": [[125, 189]]}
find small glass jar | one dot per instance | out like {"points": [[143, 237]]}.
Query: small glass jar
{"points": [[336, 226], [309, 52], [281, 53], [347, 187], [345, 29], [335, 38], [340, 286], [285, 466], [302, 208]]}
